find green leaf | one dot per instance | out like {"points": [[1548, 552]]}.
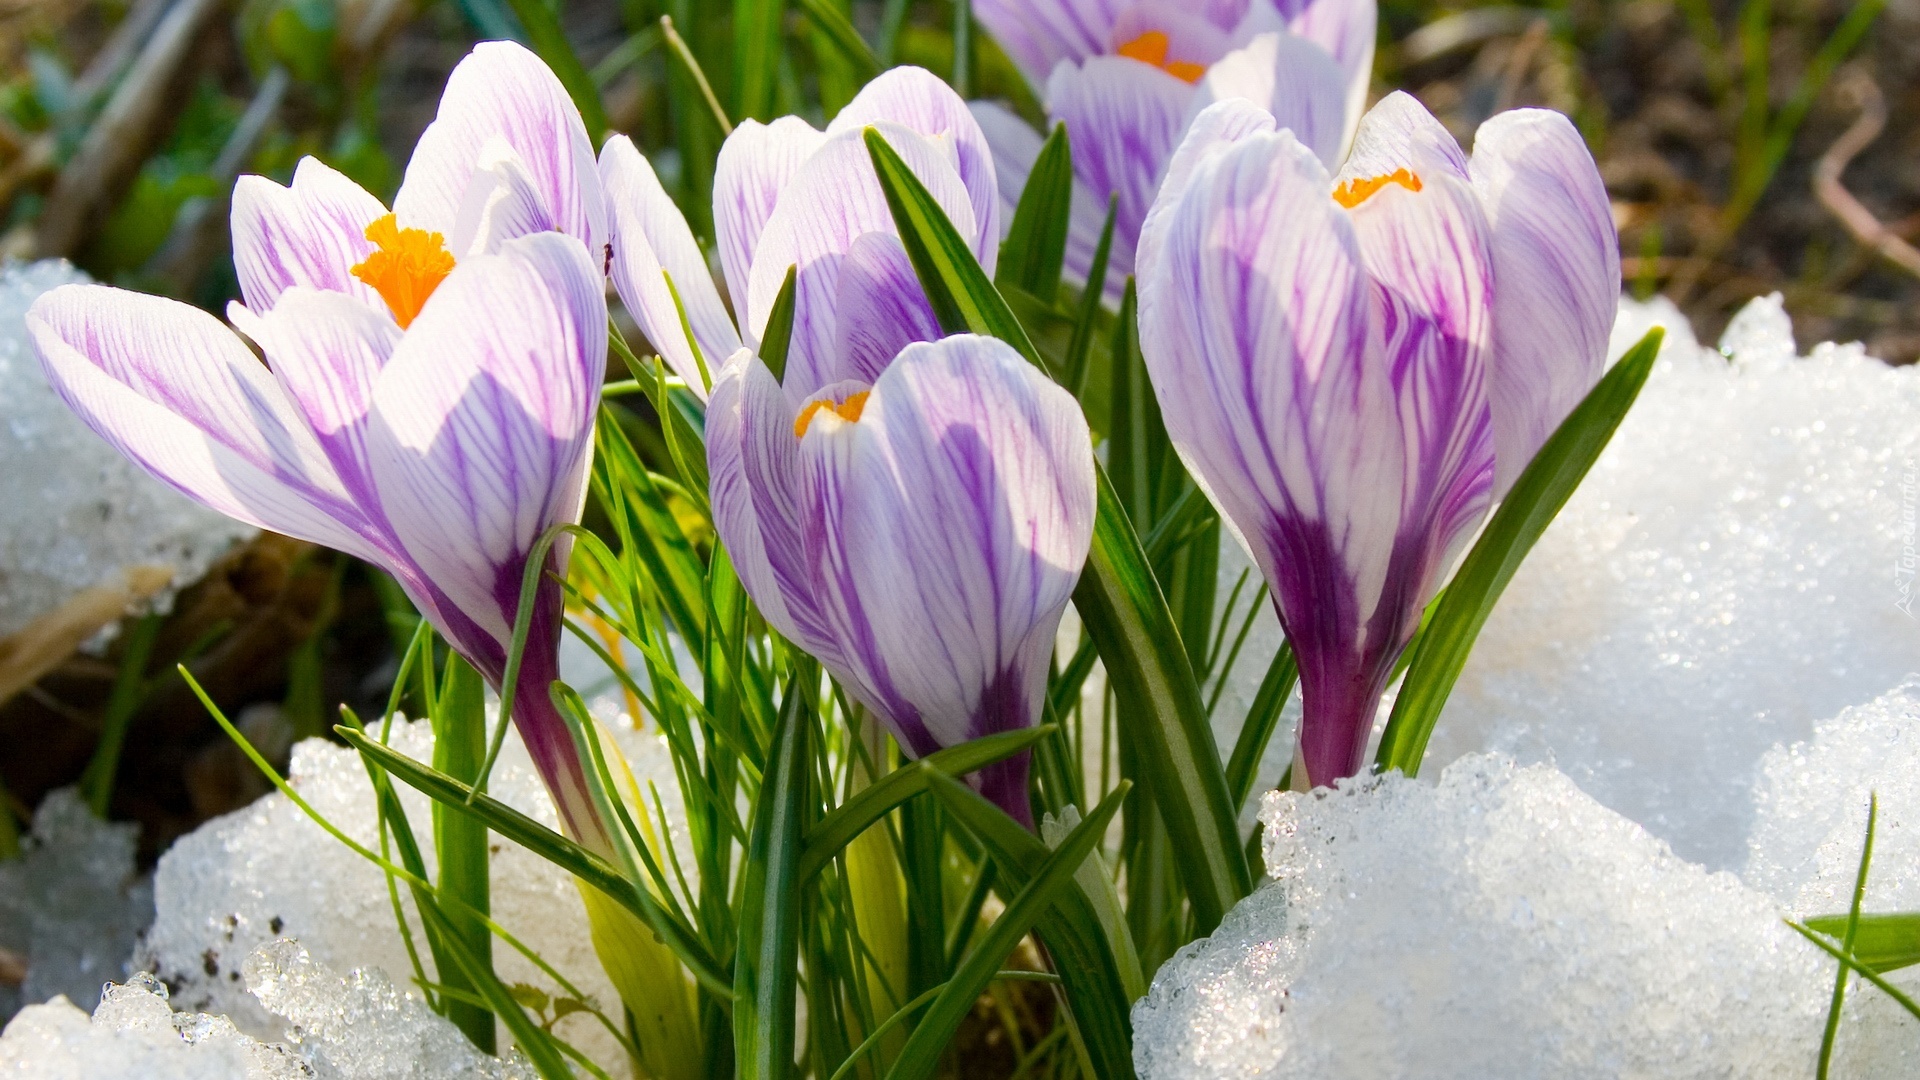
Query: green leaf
{"points": [[1525, 513], [551, 846], [778, 336], [1089, 313], [1124, 612], [1847, 939], [1886, 942], [833, 23], [1054, 878], [653, 534], [1036, 244], [1100, 986], [1855, 964], [963, 300], [544, 34], [756, 56], [460, 843], [767, 962], [1262, 717], [1118, 598], [530, 1037], [873, 802]]}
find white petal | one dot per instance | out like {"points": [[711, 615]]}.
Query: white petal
{"points": [[312, 233]]}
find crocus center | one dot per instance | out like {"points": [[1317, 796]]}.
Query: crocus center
{"points": [[1354, 192], [848, 410], [405, 266], [1151, 48]]}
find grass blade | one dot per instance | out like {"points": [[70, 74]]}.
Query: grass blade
{"points": [[1036, 244], [1853, 963], [1257, 730], [756, 56], [549, 845], [833, 23], [778, 337], [873, 802], [1525, 513], [1886, 942], [531, 1038], [460, 847], [921, 1055], [1846, 943], [766, 963]]}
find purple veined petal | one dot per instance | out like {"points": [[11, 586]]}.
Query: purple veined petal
{"points": [[1256, 328], [734, 516], [1218, 127], [1016, 146], [502, 201], [1291, 78], [1399, 133], [1038, 34], [1123, 119], [1344, 28], [175, 391], [755, 165], [312, 233], [501, 90], [651, 241], [919, 101], [831, 202], [482, 421], [327, 349], [881, 307], [1556, 275]]}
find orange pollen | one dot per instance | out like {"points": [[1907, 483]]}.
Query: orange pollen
{"points": [[1151, 48], [405, 266], [1354, 192], [848, 410]]}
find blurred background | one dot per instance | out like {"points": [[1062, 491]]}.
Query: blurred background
{"points": [[1750, 146]]}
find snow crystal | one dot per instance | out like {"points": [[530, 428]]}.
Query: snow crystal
{"points": [[71, 904], [1727, 574], [268, 871], [78, 515], [135, 1032], [1498, 923]]}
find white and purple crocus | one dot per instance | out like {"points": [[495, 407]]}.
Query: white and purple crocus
{"points": [[431, 381], [1126, 77], [913, 511], [1357, 365]]}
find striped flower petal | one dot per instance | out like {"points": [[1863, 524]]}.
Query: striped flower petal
{"points": [[755, 165], [312, 233]]}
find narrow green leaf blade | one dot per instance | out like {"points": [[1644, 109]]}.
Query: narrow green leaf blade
{"points": [[921, 1055], [1543, 488], [834, 24], [756, 56], [873, 802], [1036, 244], [963, 300], [778, 336], [1885, 942], [549, 845], [1262, 717], [767, 962], [532, 1039], [1127, 616]]}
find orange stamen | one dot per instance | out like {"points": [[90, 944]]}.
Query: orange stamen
{"points": [[1151, 48], [405, 266], [848, 410], [1354, 192]]}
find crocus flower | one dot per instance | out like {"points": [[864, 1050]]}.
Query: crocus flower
{"points": [[1356, 365], [427, 404], [1127, 78], [920, 534], [788, 195]]}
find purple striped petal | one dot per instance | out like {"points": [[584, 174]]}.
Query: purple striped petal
{"points": [[734, 515], [312, 233], [1123, 119], [921, 102], [1195, 33], [1556, 272], [327, 349], [881, 307], [651, 241], [177, 392], [1038, 34], [483, 419], [503, 200], [831, 202], [1322, 374], [1294, 80], [503, 91], [756, 164], [1399, 133], [1346, 29]]}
